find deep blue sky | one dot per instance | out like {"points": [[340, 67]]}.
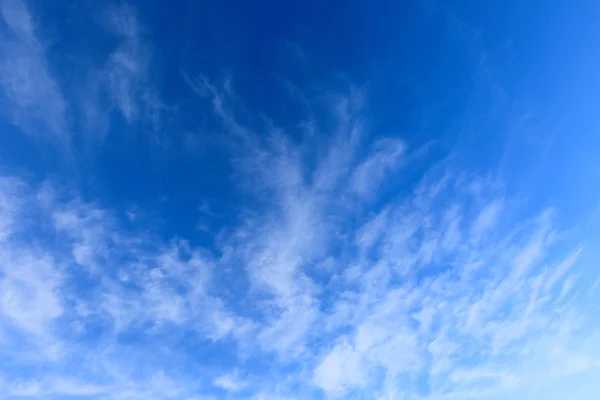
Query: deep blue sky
{"points": [[299, 200]]}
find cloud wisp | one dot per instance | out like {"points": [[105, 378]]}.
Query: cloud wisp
{"points": [[33, 100], [122, 85]]}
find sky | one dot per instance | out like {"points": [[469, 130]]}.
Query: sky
{"points": [[272, 200]]}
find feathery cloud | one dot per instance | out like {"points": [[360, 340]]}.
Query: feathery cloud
{"points": [[323, 281], [32, 100]]}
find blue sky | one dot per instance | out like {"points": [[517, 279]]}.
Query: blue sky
{"points": [[270, 200]]}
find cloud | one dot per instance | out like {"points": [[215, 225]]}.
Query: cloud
{"points": [[230, 382], [78, 267], [318, 286], [165, 283], [433, 285], [384, 157], [340, 152], [127, 69], [33, 99], [10, 190], [340, 370], [51, 387], [124, 82], [36, 104], [325, 279], [28, 289], [29, 277], [487, 218]]}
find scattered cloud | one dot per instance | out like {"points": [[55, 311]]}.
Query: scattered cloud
{"points": [[319, 283], [458, 296], [418, 290]]}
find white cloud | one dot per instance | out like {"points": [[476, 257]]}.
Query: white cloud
{"points": [[340, 152], [51, 387], [230, 382], [443, 284], [384, 158], [30, 278], [487, 218], [123, 83], [430, 296], [10, 189], [34, 101], [127, 64], [135, 282], [343, 368], [29, 292], [32, 95]]}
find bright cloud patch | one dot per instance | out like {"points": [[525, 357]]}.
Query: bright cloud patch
{"points": [[312, 257]]}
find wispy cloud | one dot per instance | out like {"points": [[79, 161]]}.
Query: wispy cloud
{"points": [[124, 82], [486, 219], [431, 296], [32, 97], [441, 283], [34, 101], [319, 285], [137, 283], [385, 157], [127, 69]]}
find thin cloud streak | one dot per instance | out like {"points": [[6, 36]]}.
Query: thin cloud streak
{"points": [[33, 99]]}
